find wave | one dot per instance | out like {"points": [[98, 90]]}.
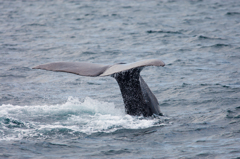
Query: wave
{"points": [[220, 45], [72, 118], [162, 31], [232, 13], [209, 38]]}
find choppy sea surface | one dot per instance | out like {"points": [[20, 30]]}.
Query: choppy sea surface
{"points": [[47, 114]]}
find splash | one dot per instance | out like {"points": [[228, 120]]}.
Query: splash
{"points": [[71, 118]]}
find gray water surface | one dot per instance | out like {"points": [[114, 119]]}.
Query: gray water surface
{"points": [[47, 114]]}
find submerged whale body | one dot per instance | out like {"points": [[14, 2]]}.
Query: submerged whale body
{"points": [[138, 98]]}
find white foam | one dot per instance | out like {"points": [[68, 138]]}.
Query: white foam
{"points": [[89, 116]]}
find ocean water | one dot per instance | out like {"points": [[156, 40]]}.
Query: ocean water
{"points": [[46, 114]]}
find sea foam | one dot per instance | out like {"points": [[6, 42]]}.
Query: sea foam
{"points": [[71, 118]]}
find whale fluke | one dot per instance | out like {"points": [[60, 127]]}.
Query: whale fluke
{"points": [[79, 68], [124, 67], [138, 98]]}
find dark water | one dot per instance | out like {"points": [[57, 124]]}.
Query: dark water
{"points": [[58, 115]]}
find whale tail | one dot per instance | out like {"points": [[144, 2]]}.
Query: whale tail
{"points": [[138, 98]]}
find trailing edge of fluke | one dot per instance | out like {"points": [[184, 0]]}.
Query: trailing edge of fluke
{"points": [[138, 98]]}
